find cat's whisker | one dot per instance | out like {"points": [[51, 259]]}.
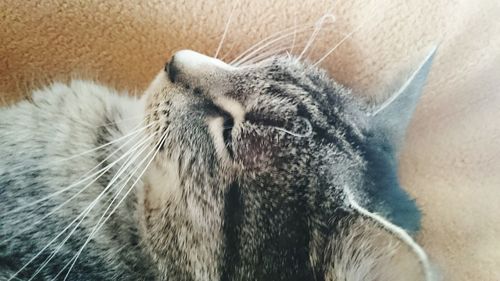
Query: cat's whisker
{"points": [[227, 53], [226, 28], [308, 133], [99, 225], [287, 31], [94, 176], [272, 45], [349, 35], [294, 35], [273, 52], [244, 53], [82, 179], [126, 119], [266, 55], [271, 39], [46, 246], [269, 44], [119, 173], [43, 249], [129, 154], [134, 131], [83, 215], [317, 29], [121, 120], [62, 270]]}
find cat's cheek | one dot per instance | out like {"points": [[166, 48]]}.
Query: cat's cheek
{"points": [[161, 186]]}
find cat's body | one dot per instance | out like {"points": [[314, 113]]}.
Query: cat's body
{"points": [[61, 122], [236, 174]]}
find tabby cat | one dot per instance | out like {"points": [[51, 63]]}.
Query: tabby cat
{"points": [[269, 171]]}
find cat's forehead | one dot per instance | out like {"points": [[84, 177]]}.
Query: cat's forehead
{"points": [[283, 81]]}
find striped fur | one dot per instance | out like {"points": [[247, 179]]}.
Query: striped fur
{"points": [[260, 174]]}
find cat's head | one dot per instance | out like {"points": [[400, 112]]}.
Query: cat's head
{"points": [[273, 171]]}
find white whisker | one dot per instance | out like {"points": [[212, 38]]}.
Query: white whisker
{"points": [[287, 31], [83, 215], [228, 52], [317, 29], [74, 184], [266, 55], [121, 120], [98, 226], [342, 41], [294, 34], [271, 44], [267, 44], [44, 248], [226, 27], [102, 172], [50, 164], [308, 133]]}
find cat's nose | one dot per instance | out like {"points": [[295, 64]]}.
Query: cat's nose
{"points": [[172, 69], [187, 64]]}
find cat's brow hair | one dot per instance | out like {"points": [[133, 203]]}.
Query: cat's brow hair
{"points": [[274, 47], [279, 36], [277, 42], [318, 26], [274, 41], [347, 36], [226, 27]]}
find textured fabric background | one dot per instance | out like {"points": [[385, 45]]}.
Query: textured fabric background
{"points": [[451, 161]]}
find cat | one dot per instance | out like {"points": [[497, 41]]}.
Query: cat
{"points": [[269, 171]]}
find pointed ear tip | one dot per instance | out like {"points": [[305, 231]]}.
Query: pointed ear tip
{"points": [[425, 66], [432, 53], [421, 71], [434, 48]]}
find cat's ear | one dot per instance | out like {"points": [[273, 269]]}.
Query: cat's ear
{"points": [[366, 249], [391, 119]]}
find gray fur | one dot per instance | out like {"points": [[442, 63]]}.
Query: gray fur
{"points": [[272, 203]]}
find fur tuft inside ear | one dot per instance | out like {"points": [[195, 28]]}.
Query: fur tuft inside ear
{"points": [[365, 250], [391, 119]]}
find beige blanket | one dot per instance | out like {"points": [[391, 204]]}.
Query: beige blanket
{"points": [[451, 161]]}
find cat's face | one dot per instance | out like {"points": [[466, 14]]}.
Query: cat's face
{"points": [[255, 173]]}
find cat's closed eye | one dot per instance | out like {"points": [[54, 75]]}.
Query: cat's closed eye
{"points": [[227, 128]]}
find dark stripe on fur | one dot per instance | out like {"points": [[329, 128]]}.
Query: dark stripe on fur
{"points": [[233, 217]]}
